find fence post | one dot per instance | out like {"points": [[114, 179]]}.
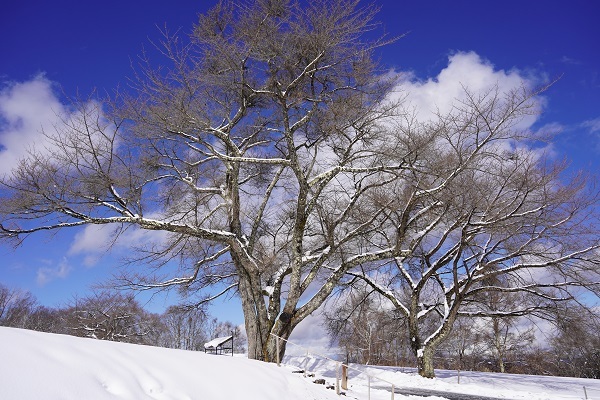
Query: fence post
{"points": [[393, 390], [306, 362], [344, 377], [369, 383], [277, 342], [337, 379]]}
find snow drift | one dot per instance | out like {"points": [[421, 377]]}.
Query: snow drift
{"points": [[38, 365]]}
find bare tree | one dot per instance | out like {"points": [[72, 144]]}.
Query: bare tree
{"points": [[46, 319], [185, 328], [503, 333], [507, 340], [16, 307], [464, 348], [258, 151], [369, 331], [481, 204], [20, 309], [575, 346], [108, 315]]}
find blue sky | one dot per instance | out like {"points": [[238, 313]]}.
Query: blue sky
{"points": [[52, 49]]}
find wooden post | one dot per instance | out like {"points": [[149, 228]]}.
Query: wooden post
{"points": [[393, 390], [277, 341], [306, 361], [344, 377], [337, 379]]}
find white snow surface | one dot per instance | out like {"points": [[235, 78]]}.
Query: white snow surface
{"points": [[36, 365], [494, 385]]}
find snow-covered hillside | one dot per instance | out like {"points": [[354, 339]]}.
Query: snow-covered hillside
{"points": [[45, 366], [37, 366]]}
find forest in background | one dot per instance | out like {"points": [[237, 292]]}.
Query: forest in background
{"points": [[119, 317]]}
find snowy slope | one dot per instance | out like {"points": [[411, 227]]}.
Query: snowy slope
{"points": [[37, 365]]}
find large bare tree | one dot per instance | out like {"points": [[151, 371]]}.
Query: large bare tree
{"points": [[257, 150], [483, 213]]}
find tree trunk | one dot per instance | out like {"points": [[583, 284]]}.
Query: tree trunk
{"points": [[423, 353], [270, 350], [425, 362], [261, 344], [424, 350], [255, 338], [498, 334], [257, 328]]}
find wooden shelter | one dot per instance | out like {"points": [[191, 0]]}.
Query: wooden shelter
{"points": [[219, 345]]}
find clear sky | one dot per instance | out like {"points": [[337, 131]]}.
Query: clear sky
{"points": [[49, 49]]}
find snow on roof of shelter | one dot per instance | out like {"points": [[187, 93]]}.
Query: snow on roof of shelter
{"points": [[217, 342]]}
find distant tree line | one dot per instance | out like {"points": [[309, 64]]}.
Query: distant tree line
{"points": [[116, 316], [370, 332]]}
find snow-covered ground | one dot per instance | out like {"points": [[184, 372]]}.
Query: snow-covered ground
{"points": [[503, 386], [37, 365]]}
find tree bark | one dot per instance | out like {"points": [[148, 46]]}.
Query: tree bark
{"points": [[262, 345], [270, 349], [425, 362], [260, 326], [423, 353]]}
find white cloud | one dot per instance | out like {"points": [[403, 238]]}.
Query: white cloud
{"points": [[29, 110], [26, 110], [95, 240], [92, 241], [464, 71], [593, 125], [48, 274]]}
